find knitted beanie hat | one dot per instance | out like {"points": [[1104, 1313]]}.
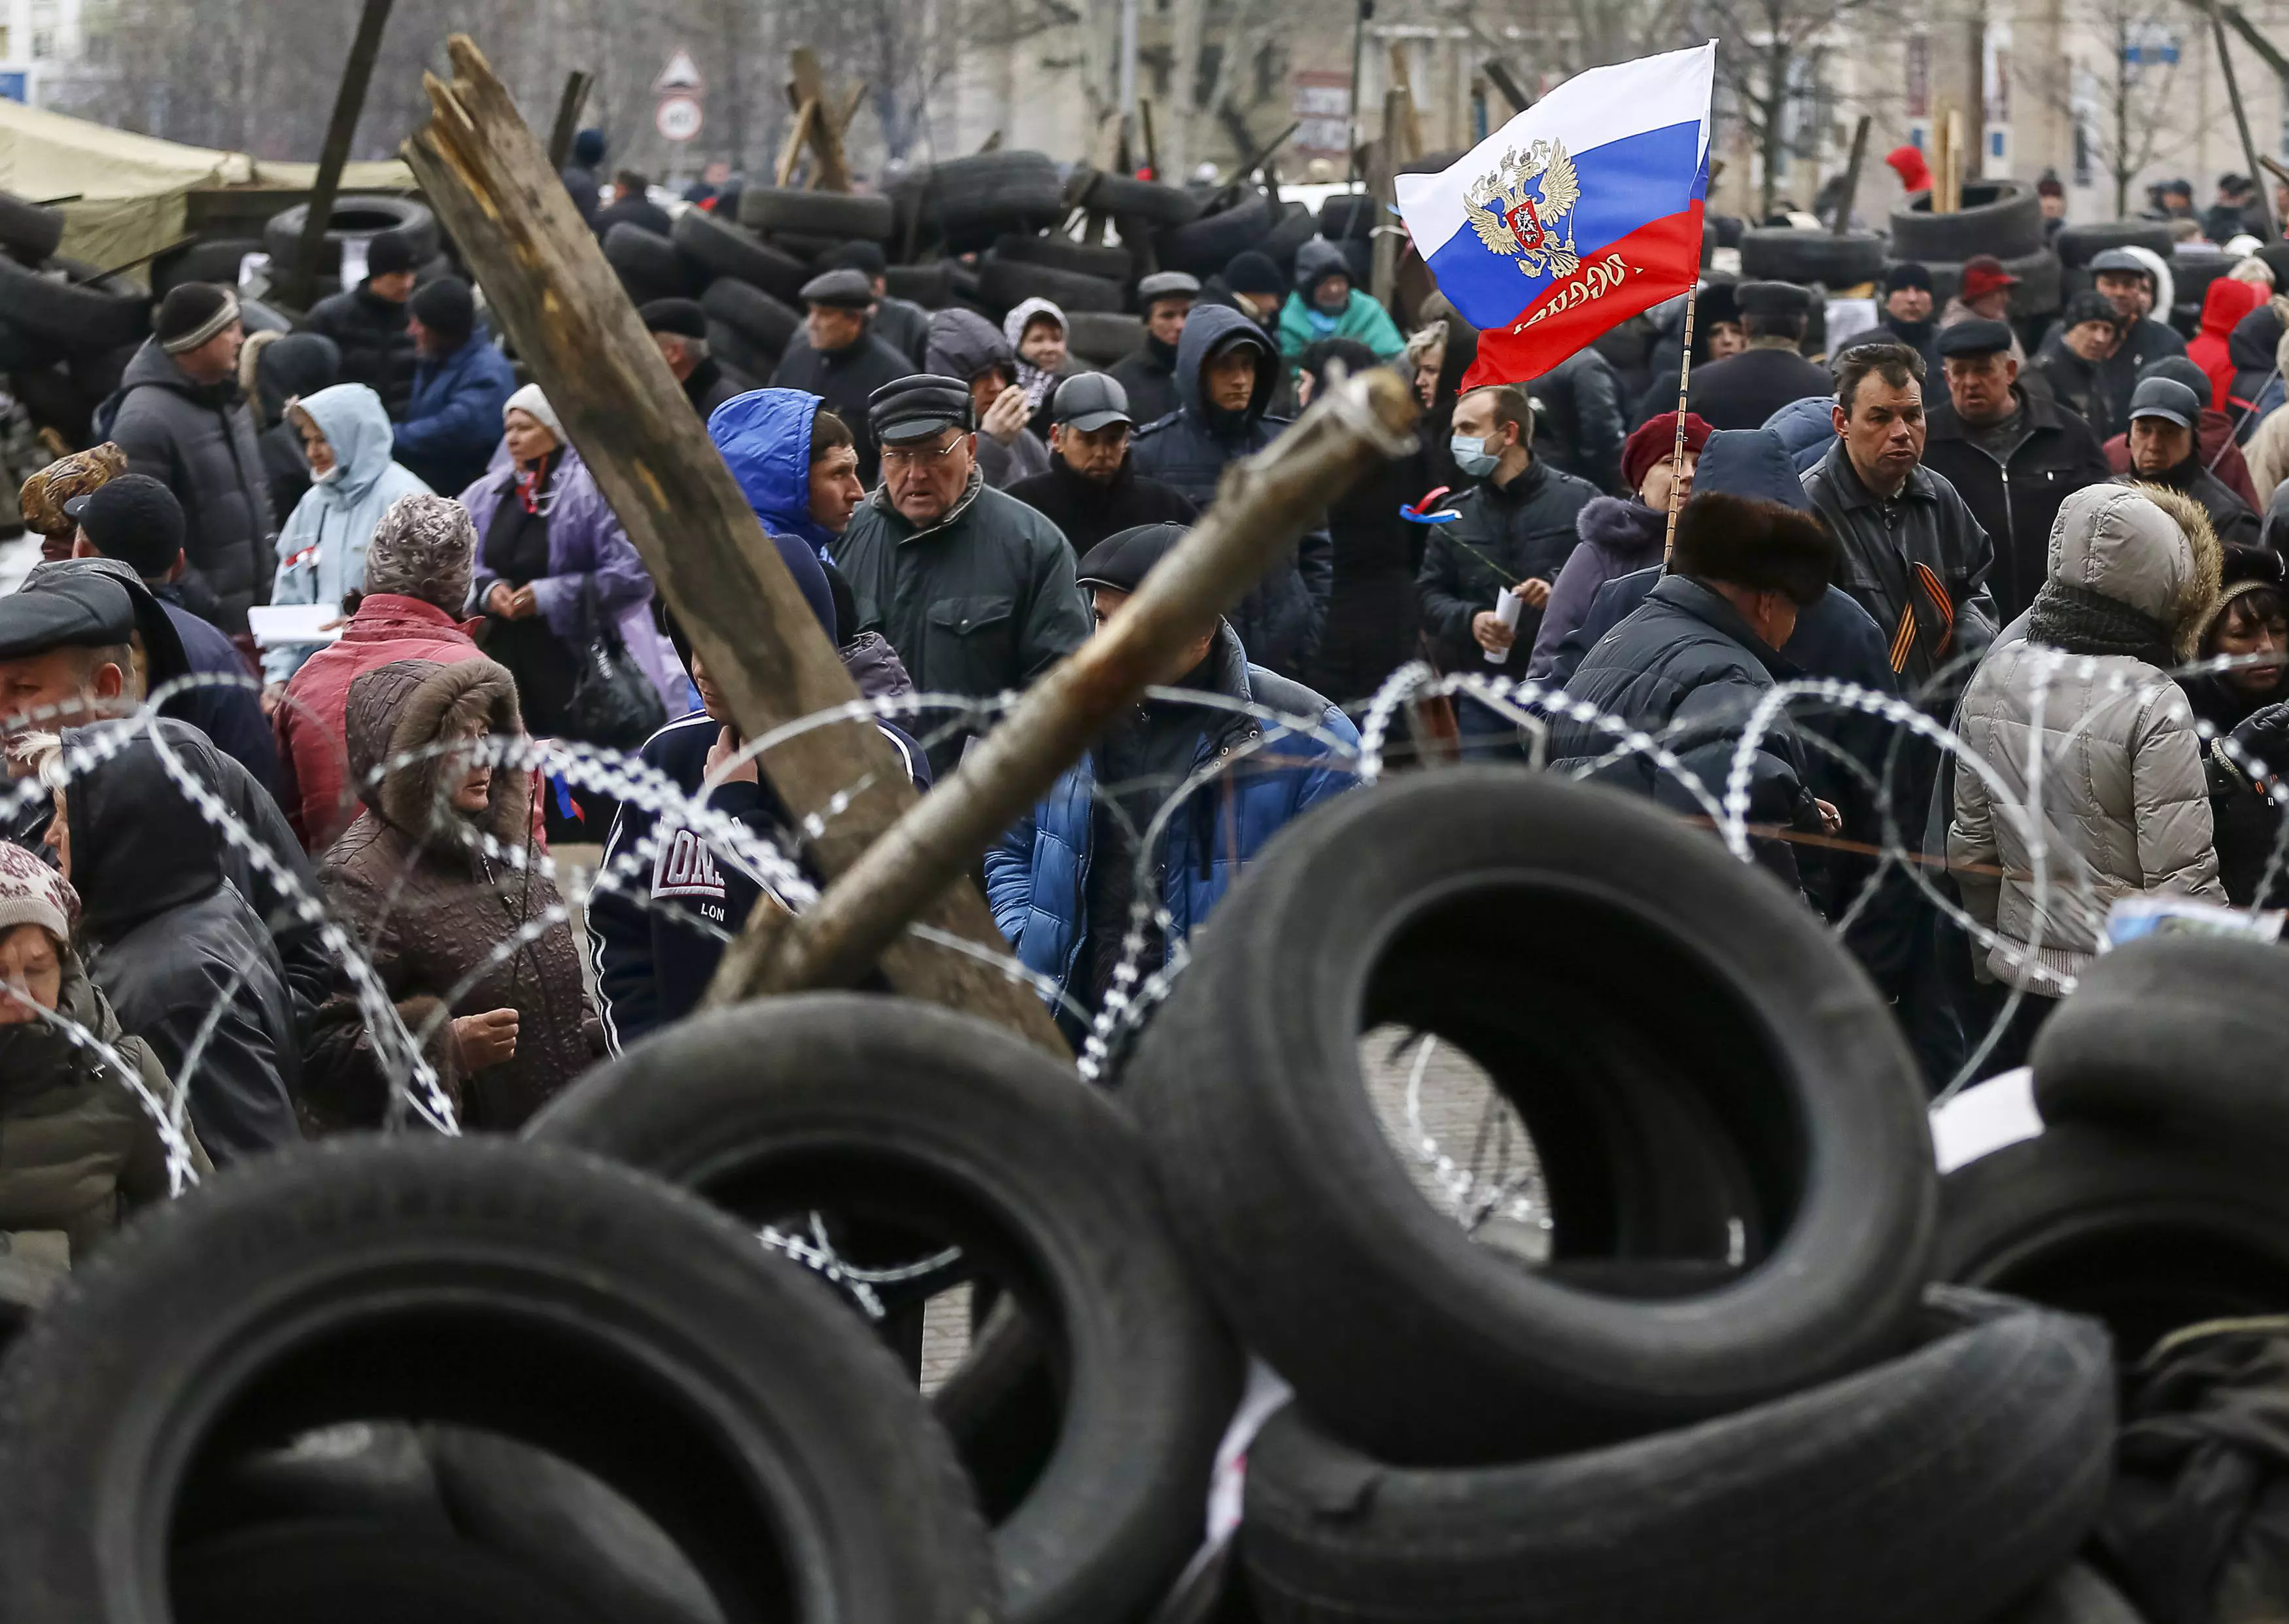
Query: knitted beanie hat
{"points": [[33, 893], [424, 547]]}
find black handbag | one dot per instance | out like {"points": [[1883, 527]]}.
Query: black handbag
{"points": [[613, 704]]}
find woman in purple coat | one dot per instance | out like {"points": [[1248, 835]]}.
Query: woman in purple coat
{"points": [[555, 568]]}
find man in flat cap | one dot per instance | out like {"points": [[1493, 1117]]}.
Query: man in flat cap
{"points": [[679, 326], [1148, 373], [2010, 452], [973, 588], [2127, 284], [1062, 880], [2165, 450], [1743, 390], [844, 363], [182, 420]]}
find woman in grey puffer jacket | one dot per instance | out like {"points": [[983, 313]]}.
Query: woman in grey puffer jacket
{"points": [[2125, 810]]}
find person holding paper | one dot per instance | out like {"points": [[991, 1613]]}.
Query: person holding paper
{"points": [[347, 440]]}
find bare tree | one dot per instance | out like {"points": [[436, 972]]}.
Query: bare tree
{"points": [[2121, 106], [1768, 66]]}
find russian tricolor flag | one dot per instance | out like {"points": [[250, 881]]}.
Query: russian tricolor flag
{"points": [[1575, 215]]}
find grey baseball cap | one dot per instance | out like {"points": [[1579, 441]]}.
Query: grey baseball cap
{"points": [[2167, 399], [1089, 401]]}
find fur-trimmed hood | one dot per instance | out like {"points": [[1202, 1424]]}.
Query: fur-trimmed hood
{"points": [[410, 705], [2145, 546], [1621, 525]]}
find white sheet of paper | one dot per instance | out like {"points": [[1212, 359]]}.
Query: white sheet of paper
{"points": [[286, 624]]}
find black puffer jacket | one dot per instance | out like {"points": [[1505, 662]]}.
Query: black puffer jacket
{"points": [[1686, 669], [1088, 512], [1578, 419], [371, 332], [1148, 374], [169, 939], [1278, 620], [198, 440], [1524, 531]]}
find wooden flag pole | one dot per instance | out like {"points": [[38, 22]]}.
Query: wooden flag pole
{"points": [[1676, 451]]}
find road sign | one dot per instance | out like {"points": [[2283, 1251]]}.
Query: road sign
{"points": [[681, 74], [678, 118]]}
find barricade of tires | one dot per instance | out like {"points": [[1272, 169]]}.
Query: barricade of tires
{"points": [[645, 1363], [67, 331]]}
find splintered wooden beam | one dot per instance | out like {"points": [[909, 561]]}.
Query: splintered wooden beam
{"points": [[546, 283], [1261, 508], [830, 171]]}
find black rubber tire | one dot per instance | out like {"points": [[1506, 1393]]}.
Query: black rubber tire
{"points": [[736, 351], [2003, 218], [76, 315], [528, 1290], [1279, 244], [1004, 283], [29, 231], [216, 260], [717, 248], [930, 286], [2183, 1031], [1347, 215], [1063, 254], [2041, 289], [385, 1477], [840, 1100], [647, 264], [358, 214], [969, 202], [803, 246], [2192, 272], [1654, 956], [1727, 230], [845, 217], [1102, 336], [1878, 1496], [2078, 245], [2132, 1227], [1125, 198], [766, 324], [2075, 1594], [1207, 245], [357, 1573], [1788, 254]]}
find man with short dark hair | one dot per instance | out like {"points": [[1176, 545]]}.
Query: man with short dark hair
{"points": [[1090, 490], [2229, 216], [368, 322], [1907, 314], [2165, 450], [453, 417], [182, 420], [1227, 373], [679, 327], [138, 522], [632, 205], [1148, 373], [1913, 554], [844, 362], [1742, 391], [1689, 665], [972, 589], [2127, 284], [2011, 453]]}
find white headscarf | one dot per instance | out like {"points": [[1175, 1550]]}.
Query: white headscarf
{"points": [[1035, 383], [535, 405]]}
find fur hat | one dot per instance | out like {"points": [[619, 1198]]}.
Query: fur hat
{"points": [[424, 547], [1761, 546], [45, 493]]}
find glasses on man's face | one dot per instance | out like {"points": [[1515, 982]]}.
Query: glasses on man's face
{"points": [[918, 456]]}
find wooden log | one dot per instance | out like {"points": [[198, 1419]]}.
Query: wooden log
{"points": [[1500, 74], [547, 284], [1382, 190], [830, 171], [2270, 232], [350, 102], [791, 149], [1262, 506], [569, 103], [1842, 224]]}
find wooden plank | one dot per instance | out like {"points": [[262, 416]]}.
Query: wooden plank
{"points": [[1382, 188], [2241, 122], [791, 149], [1500, 74], [1401, 76], [1843, 222], [578, 83], [548, 285], [830, 171], [350, 102]]}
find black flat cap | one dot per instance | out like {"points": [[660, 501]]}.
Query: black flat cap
{"points": [[682, 317], [1773, 298], [1122, 561], [60, 609], [915, 408], [1167, 284], [844, 290], [1973, 338]]}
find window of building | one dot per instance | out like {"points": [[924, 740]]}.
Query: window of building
{"points": [[43, 43]]}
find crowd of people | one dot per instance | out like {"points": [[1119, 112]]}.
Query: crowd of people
{"points": [[2062, 545]]}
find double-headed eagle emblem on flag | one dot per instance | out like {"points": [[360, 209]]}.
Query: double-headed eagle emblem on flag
{"points": [[1510, 220]]}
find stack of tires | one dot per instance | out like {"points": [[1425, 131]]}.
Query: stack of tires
{"points": [[2002, 218], [358, 217], [2078, 245], [1730, 1393], [66, 331]]}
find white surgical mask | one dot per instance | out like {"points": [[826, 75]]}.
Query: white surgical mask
{"points": [[1473, 457]]}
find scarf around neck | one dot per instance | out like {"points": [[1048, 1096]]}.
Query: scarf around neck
{"points": [[2080, 622]]}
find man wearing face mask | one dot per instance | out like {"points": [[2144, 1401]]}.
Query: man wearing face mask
{"points": [[1516, 530]]}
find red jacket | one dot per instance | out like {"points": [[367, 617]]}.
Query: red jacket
{"points": [[2225, 304], [312, 765]]}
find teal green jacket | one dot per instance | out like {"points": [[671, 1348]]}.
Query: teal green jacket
{"points": [[1362, 319]]}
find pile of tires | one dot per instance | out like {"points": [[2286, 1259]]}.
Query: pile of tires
{"points": [[67, 331], [1731, 1390], [359, 217], [2002, 218]]}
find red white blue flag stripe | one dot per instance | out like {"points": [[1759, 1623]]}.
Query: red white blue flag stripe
{"points": [[1575, 215]]}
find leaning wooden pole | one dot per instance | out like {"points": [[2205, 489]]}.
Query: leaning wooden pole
{"points": [[342, 128], [547, 281], [2271, 232], [1260, 510]]}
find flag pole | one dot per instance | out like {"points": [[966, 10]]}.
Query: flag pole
{"points": [[1677, 451]]}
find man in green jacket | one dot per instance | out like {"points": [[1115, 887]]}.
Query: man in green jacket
{"points": [[1325, 305], [972, 588]]}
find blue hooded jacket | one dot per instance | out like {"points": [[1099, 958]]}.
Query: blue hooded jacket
{"points": [[764, 437], [1806, 428]]}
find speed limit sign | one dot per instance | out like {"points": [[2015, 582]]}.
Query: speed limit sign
{"points": [[678, 118]]}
